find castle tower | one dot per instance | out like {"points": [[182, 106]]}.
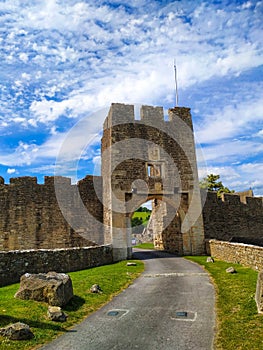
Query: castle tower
{"points": [[145, 159]]}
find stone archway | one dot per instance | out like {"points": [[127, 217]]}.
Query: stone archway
{"points": [[164, 226], [165, 222], [147, 159]]}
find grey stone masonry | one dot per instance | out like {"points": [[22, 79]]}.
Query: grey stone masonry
{"points": [[14, 264]]}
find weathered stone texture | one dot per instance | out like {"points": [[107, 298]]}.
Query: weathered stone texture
{"points": [[239, 253], [14, 264], [53, 288], [17, 331], [31, 218], [234, 217], [167, 233], [150, 158], [55, 314]]}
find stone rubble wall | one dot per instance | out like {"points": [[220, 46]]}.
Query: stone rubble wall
{"points": [[238, 253], [233, 217], [14, 264]]}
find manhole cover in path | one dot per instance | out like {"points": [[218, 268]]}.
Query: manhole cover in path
{"points": [[181, 314], [184, 316], [113, 313], [117, 313]]}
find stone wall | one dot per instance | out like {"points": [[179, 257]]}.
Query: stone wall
{"points": [[31, 218], [239, 253], [14, 264], [233, 217]]}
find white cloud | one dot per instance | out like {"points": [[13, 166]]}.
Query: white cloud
{"points": [[24, 154], [11, 171], [23, 57], [65, 60], [252, 168], [227, 172], [238, 177], [25, 76], [107, 38], [97, 165], [232, 151], [230, 121], [68, 146], [246, 5]]}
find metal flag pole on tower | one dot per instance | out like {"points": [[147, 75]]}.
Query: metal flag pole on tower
{"points": [[176, 89]]}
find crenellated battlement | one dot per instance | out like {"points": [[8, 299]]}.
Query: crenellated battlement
{"points": [[31, 216], [23, 181], [232, 215], [233, 199], [181, 112], [30, 181], [120, 113], [57, 180]]}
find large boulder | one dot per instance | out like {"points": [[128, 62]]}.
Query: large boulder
{"points": [[17, 331], [53, 288]]}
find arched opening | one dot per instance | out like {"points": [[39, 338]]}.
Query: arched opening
{"points": [[162, 228], [140, 221], [166, 227]]}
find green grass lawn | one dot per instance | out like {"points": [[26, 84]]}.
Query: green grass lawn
{"points": [[112, 279], [239, 326], [147, 245]]}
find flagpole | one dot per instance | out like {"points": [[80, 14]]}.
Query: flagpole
{"points": [[176, 88]]}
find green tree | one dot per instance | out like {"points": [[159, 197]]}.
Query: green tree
{"points": [[136, 221], [143, 209], [211, 183]]}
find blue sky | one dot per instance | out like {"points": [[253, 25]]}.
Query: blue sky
{"points": [[65, 60]]}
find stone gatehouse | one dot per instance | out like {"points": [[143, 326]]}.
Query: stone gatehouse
{"points": [[142, 159]]}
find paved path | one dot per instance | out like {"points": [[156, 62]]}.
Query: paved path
{"points": [[150, 314]]}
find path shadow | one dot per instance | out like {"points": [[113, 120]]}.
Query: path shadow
{"points": [[144, 254]]}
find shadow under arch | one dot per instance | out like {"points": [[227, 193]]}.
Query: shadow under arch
{"points": [[144, 254]]}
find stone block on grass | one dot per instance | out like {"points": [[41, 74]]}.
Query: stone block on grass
{"points": [[56, 314], [209, 259], [96, 289], [230, 270], [53, 288], [17, 331]]}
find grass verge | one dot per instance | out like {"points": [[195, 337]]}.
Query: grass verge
{"points": [[112, 279], [239, 326], [144, 246]]}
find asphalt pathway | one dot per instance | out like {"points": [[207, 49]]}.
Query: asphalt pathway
{"points": [[170, 307]]}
